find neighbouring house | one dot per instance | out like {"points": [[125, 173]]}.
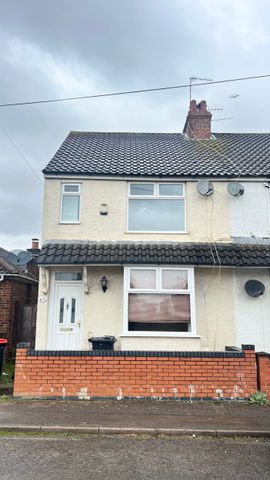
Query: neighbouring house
{"points": [[18, 291], [163, 241]]}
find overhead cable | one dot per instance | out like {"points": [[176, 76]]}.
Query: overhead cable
{"points": [[129, 92], [22, 155]]}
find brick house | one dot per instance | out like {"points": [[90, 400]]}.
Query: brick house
{"points": [[151, 238], [18, 288]]}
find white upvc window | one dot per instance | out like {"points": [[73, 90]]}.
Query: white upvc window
{"points": [[70, 203], [156, 207], [159, 299]]}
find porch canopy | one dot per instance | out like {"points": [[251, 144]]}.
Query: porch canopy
{"points": [[152, 253]]}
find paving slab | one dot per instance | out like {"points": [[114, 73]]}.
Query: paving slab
{"points": [[141, 416]]}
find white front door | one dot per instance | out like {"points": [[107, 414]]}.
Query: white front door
{"points": [[66, 317]]}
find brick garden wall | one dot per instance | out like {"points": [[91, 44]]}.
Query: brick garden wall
{"points": [[90, 374]]}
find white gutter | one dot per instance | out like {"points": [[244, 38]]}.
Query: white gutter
{"points": [[125, 264], [157, 178]]}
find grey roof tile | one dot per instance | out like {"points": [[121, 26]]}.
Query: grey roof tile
{"points": [[93, 253], [162, 154], [6, 267]]}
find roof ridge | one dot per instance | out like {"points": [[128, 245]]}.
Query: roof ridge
{"points": [[158, 133], [124, 132]]}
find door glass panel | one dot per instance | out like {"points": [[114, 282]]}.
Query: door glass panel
{"points": [[73, 310], [61, 310], [68, 276]]}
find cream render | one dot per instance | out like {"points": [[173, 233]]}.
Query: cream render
{"points": [[103, 313], [207, 218], [250, 213], [252, 314], [222, 305]]}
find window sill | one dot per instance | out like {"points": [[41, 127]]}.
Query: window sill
{"points": [[69, 223], [156, 232], [160, 334]]}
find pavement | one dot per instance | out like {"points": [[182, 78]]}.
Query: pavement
{"points": [[150, 417]]}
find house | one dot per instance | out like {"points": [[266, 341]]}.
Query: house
{"points": [[18, 289], [161, 240], [125, 206]]}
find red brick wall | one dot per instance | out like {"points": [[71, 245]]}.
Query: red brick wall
{"points": [[13, 291], [135, 376], [5, 309], [264, 372]]}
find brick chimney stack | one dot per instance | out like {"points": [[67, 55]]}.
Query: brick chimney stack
{"points": [[32, 267], [198, 122]]}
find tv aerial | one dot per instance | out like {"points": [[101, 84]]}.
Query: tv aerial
{"points": [[254, 288], [19, 257], [221, 119], [215, 109], [205, 188], [194, 78], [235, 189]]}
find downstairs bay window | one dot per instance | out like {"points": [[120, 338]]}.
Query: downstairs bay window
{"points": [[159, 299]]}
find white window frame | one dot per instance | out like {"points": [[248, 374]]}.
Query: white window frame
{"points": [[190, 290], [157, 196], [78, 194]]}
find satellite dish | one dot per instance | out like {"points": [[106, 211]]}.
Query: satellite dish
{"points": [[235, 189], [205, 188], [254, 288], [19, 257]]}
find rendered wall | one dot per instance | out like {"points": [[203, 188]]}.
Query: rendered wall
{"points": [[252, 315], [215, 307], [250, 213], [207, 218], [103, 313]]}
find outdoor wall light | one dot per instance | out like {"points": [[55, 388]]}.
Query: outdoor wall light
{"points": [[104, 283], [103, 209]]}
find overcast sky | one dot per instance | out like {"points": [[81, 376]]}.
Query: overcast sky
{"points": [[66, 48]]}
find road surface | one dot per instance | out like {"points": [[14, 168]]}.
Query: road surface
{"points": [[79, 457]]}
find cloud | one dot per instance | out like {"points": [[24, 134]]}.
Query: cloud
{"points": [[63, 48]]}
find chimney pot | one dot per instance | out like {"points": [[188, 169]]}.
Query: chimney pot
{"points": [[193, 106], [35, 244], [202, 106]]}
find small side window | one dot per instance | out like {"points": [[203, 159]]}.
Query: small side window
{"points": [[70, 204]]}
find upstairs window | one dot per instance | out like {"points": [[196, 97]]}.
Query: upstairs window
{"points": [[156, 207], [70, 205]]}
